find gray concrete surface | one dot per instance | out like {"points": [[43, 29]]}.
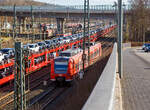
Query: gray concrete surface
{"points": [[136, 81], [102, 96], [126, 45], [143, 55], [118, 96]]}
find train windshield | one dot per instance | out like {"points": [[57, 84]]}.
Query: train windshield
{"points": [[65, 54], [61, 65]]}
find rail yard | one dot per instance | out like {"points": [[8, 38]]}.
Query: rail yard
{"points": [[59, 59], [36, 79]]}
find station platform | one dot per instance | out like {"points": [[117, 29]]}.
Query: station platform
{"points": [[135, 84]]}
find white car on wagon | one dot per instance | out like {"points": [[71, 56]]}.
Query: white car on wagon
{"points": [[33, 48]]}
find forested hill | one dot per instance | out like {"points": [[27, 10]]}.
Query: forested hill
{"points": [[20, 2]]}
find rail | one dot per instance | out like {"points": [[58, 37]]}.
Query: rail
{"points": [[103, 94]]}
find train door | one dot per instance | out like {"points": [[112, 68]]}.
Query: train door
{"points": [[80, 71], [2, 73]]}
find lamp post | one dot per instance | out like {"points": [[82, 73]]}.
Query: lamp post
{"points": [[40, 24], [14, 22], [32, 22], [115, 5], [120, 23], [0, 36]]}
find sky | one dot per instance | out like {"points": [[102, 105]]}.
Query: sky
{"points": [[80, 2]]}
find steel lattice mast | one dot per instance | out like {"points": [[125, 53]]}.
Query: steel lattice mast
{"points": [[86, 30], [19, 78], [32, 22], [14, 22]]}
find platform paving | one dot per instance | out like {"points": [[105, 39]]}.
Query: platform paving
{"points": [[136, 82]]}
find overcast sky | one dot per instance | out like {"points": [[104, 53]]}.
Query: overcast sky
{"points": [[79, 2]]}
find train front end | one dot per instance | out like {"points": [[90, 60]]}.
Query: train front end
{"points": [[60, 69]]}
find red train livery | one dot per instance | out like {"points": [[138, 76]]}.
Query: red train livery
{"points": [[6, 71], [69, 63]]}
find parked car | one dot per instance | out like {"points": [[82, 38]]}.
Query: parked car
{"points": [[33, 48], [66, 39], [49, 43], [2, 57], [8, 52], [55, 41], [147, 48], [60, 40], [74, 37], [145, 45], [25, 46], [42, 45]]}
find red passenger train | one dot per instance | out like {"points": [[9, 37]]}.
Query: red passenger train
{"points": [[69, 63]]}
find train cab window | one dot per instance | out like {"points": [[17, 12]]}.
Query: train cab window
{"points": [[65, 54]]}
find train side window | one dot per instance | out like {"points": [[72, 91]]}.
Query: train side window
{"points": [[67, 47], [76, 66], [1, 72], [94, 53], [1, 76], [90, 56], [98, 51]]}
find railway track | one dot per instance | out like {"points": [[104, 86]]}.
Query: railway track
{"points": [[51, 95], [9, 87], [48, 97], [9, 98]]}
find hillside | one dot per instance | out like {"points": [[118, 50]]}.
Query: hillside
{"points": [[20, 2]]}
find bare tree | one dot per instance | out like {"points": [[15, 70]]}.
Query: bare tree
{"points": [[139, 19]]}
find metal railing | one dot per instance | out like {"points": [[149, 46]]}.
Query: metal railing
{"points": [[102, 96], [63, 8]]}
